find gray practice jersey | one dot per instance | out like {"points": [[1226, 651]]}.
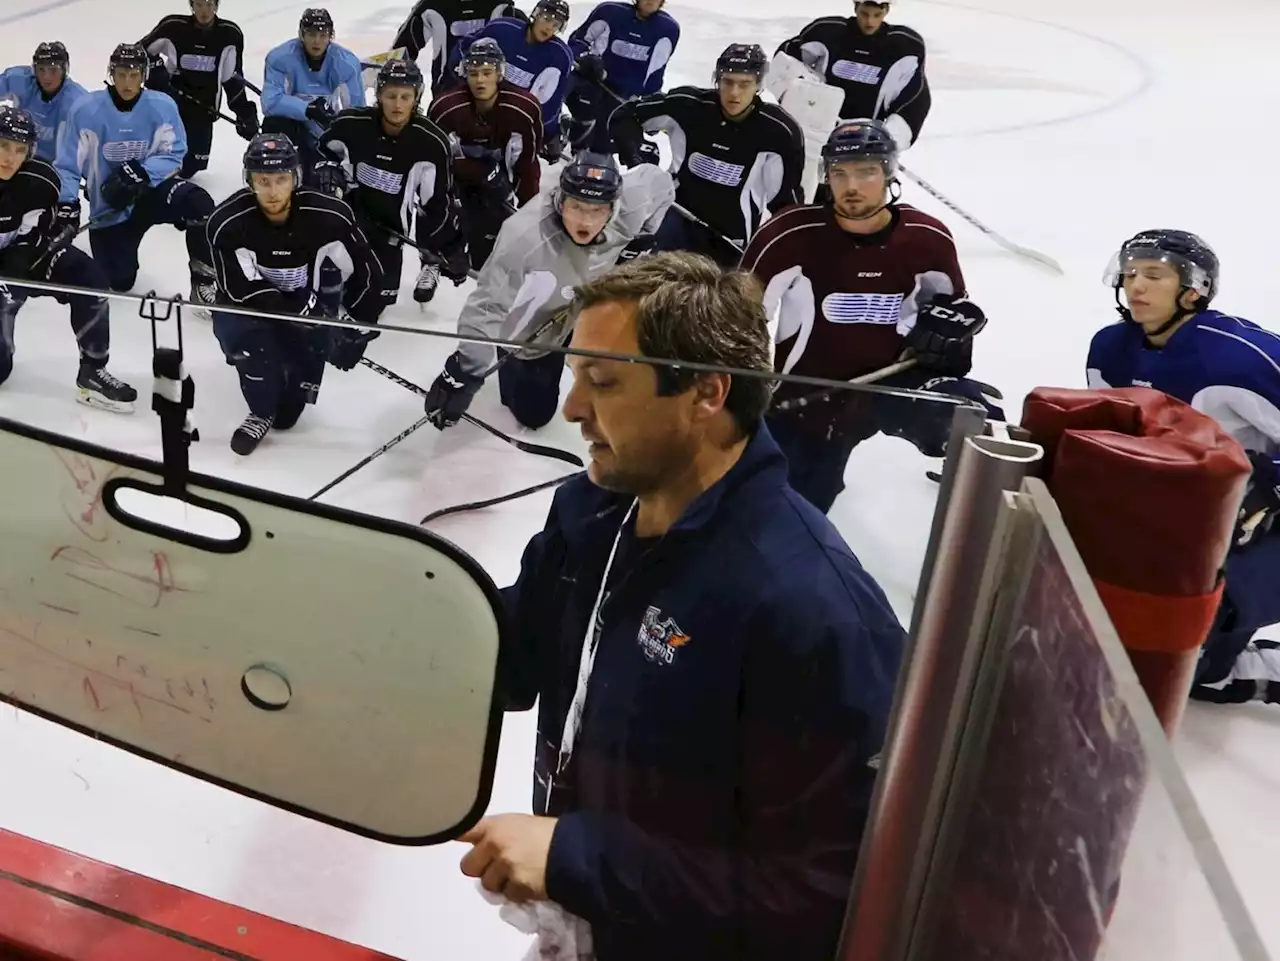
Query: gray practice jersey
{"points": [[535, 265]]}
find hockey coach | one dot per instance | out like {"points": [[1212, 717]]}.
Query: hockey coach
{"points": [[714, 669]]}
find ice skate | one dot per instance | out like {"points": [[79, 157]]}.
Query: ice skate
{"points": [[249, 434], [204, 289], [98, 387], [428, 280]]}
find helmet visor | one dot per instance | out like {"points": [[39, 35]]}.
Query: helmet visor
{"points": [[1131, 260]]}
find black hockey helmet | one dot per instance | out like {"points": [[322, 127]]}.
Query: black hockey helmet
{"points": [[861, 140], [52, 53], [16, 125], [485, 51], [400, 73], [129, 56], [557, 10], [1191, 257], [748, 58], [591, 177], [270, 153], [317, 20]]}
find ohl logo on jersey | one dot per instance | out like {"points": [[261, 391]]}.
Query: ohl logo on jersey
{"points": [[660, 639], [848, 308]]}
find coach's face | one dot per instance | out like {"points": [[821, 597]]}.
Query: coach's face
{"points": [[12, 156]]}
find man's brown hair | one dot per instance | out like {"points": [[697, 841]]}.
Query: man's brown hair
{"points": [[688, 309]]}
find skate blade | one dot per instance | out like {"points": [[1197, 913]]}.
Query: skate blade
{"points": [[90, 399]]}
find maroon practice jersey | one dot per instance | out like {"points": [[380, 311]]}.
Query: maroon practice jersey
{"points": [[843, 302], [511, 132]]}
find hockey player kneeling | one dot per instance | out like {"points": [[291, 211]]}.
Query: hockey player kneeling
{"points": [[857, 282], [592, 219], [282, 249]]}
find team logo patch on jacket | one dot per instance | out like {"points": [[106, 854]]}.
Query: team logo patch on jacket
{"points": [[660, 637]]}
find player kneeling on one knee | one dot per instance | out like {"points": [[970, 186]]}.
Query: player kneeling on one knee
{"points": [[1169, 339], [858, 282], [34, 247], [282, 249], [596, 217]]}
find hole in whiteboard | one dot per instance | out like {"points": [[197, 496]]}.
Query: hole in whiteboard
{"points": [[266, 687], [177, 514]]}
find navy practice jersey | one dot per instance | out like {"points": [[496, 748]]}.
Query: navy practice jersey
{"points": [[635, 51]]}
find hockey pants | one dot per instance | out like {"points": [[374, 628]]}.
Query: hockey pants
{"points": [[678, 233], [1251, 601], [90, 316], [481, 221], [530, 389], [280, 363], [176, 202], [390, 253], [199, 127]]}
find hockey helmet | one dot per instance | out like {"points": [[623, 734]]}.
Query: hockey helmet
{"points": [[1193, 259], [270, 153], [861, 140], [16, 125], [745, 58], [555, 10], [51, 53], [316, 20], [400, 73], [485, 51], [129, 56], [593, 178]]}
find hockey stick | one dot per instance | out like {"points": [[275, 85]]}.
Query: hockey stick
{"points": [[372, 457], [1033, 255], [695, 219], [538, 449], [494, 501], [871, 378]]}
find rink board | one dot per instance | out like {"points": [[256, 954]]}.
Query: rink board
{"points": [[330, 663]]}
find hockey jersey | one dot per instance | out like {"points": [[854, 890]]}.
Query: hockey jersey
{"points": [[19, 87], [203, 62], [882, 75], [510, 133], [26, 200], [1222, 366], [99, 137], [731, 172], [442, 23], [635, 50], [289, 84], [530, 276], [541, 68]]}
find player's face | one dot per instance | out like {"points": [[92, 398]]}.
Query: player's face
{"points": [[584, 221], [12, 156], [647, 8], [127, 81], [544, 28], [639, 441], [857, 187], [315, 42], [737, 91], [50, 76], [871, 16], [398, 104], [1151, 288], [205, 11], [482, 81], [274, 192]]}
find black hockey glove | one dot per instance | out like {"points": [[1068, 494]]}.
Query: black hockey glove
{"points": [[329, 178], [158, 77], [126, 184], [67, 215], [348, 346], [451, 393], [639, 247], [645, 152], [590, 67], [1261, 503], [942, 337], [928, 426], [247, 125], [302, 303], [454, 261], [319, 111]]}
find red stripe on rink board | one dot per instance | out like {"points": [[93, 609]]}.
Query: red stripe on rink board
{"points": [[58, 906]]}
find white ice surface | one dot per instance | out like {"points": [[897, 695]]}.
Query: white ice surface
{"points": [[1064, 127]]}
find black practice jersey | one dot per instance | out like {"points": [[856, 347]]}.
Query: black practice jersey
{"points": [[203, 62], [264, 266], [443, 23], [881, 74], [391, 176], [26, 207], [728, 171]]}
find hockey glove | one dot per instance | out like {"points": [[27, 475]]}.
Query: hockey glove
{"points": [[928, 426], [942, 337], [67, 215], [451, 393], [590, 67], [639, 247], [646, 152], [319, 111], [303, 303], [1261, 501], [454, 262], [247, 125], [329, 178], [127, 183], [348, 346], [158, 76]]}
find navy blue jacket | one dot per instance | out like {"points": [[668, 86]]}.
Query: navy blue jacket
{"points": [[741, 690]]}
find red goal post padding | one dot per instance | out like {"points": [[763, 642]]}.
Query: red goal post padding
{"points": [[58, 906]]}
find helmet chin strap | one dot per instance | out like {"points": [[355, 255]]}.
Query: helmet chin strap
{"points": [[1178, 317]]}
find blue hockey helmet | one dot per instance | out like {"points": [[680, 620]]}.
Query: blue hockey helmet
{"points": [[400, 73], [270, 153], [861, 140], [484, 51], [556, 10], [52, 53], [316, 20], [16, 125], [745, 58], [1193, 259], [593, 178], [129, 56]]}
